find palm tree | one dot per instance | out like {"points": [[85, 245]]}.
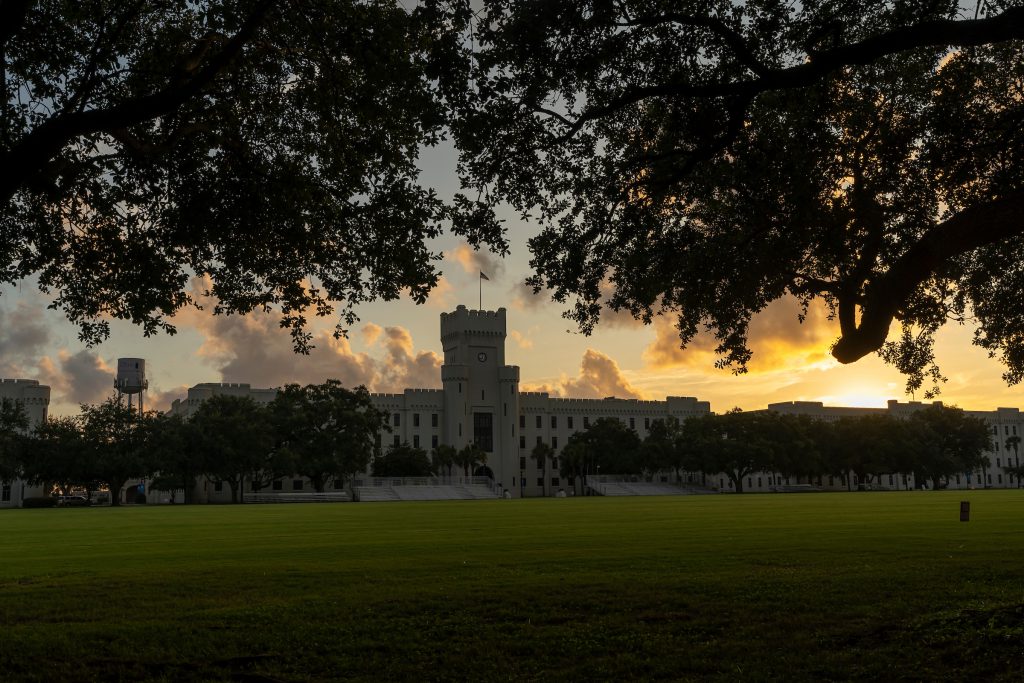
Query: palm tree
{"points": [[541, 454], [1014, 443], [443, 458]]}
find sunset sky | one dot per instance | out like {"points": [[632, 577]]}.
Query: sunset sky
{"points": [[396, 346]]}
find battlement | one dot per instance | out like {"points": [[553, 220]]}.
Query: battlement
{"points": [[23, 382], [465, 321]]}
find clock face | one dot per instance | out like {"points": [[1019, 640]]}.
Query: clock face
{"points": [[481, 356]]}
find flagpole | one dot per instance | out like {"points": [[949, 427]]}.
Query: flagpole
{"points": [[481, 281]]}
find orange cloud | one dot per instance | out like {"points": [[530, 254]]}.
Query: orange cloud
{"points": [[521, 340], [474, 261], [442, 295], [777, 338], [81, 377], [599, 377]]}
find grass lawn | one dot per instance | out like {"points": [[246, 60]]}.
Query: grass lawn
{"points": [[882, 586]]}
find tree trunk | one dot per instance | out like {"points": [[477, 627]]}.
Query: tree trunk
{"points": [[737, 480]]}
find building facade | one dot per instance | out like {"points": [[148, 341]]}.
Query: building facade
{"points": [[480, 402], [34, 399]]}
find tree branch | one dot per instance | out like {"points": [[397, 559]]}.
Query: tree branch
{"points": [[970, 229], [1009, 25], [39, 146]]}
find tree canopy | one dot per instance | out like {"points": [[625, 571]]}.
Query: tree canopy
{"points": [[267, 145], [703, 159]]}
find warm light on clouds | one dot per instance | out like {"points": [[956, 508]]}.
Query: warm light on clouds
{"points": [[521, 340], [777, 338], [599, 377], [474, 261], [442, 296], [81, 377]]}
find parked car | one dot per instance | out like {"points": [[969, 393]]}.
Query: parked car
{"points": [[72, 501]]}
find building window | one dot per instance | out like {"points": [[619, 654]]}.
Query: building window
{"points": [[522, 422], [586, 422], [538, 440], [522, 462], [415, 440], [998, 463], [632, 423], [415, 419], [277, 485], [481, 394], [554, 442], [397, 419], [460, 387], [504, 408], [890, 479], [522, 441], [460, 429], [433, 440], [554, 422], [554, 463], [433, 419], [396, 441], [554, 481], [5, 493], [1006, 431], [540, 481], [569, 420], [296, 484], [759, 482], [999, 478], [990, 478], [538, 422], [647, 423]]}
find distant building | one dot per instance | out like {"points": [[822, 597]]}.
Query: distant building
{"points": [[34, 399], [1004, 423], [480, 402]]}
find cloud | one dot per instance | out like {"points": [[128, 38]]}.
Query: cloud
{"points": [[82, 377], [442, 295], [599, 377], [371, 333], [23, 336], [475, 261], [403, 367], [522, 298], [777, 338], [521, 340], [162, 400], [254, 349]]}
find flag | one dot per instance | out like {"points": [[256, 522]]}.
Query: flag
{"points": [[483, 276]]}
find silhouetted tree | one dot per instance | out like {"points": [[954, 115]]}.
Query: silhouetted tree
{"points": [[946, 441], [114, 444], [268, 145], [443, 458], [235, 441], [702, 159], [13, 425], [324, 430], [402, 461]]}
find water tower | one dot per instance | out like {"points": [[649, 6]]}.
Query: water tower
{"points": [[131, 379]]}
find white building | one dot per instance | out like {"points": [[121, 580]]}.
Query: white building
{"points": [[480, 402], [34, 399], [1004, 423]]}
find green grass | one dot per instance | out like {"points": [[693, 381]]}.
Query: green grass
{"points": [[833, 586]]}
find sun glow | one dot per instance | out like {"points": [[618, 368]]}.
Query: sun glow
{"points": [[856, 398]]}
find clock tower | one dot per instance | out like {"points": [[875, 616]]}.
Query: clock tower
{"points": [[481, 393]]}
